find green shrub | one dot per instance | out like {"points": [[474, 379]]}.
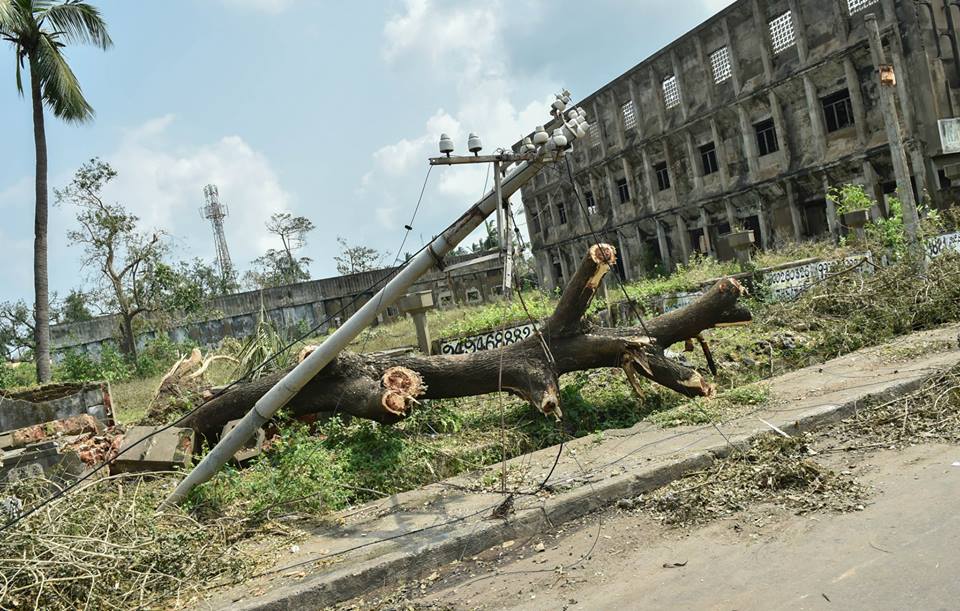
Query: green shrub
{"points": [[159, 354], [17, 375], [77, 366]]}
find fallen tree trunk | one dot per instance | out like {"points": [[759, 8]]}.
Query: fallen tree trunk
{"points": [[385, 388]]}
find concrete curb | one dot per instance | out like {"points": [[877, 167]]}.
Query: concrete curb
{"points": [[425, 549]]}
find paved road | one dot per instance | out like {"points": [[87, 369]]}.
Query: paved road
{"points": [[901, 552]]}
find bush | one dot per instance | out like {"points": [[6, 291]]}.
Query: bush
{"points": [[159, 354], [15, 375], [77, 366]]}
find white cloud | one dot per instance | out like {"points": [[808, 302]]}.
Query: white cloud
{"points": [[164, 187], [463, 48]]}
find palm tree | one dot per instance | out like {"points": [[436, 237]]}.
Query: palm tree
{"points": [[39, 30]]}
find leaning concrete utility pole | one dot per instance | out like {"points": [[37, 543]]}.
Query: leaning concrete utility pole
{"points": [[891, 120], [529, 161]]}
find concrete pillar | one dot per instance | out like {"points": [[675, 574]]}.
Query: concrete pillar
{"points": [[657, 88], [696, 168], [856, 100], [734, 57], [611, 187], [664, 247], [832, 223], [554, 215], [889, 12], [904, 87], [891, 121], [800, 31], [873, 186], [683, 239], [623, 253], [795, 215], [749, 142], [705, 226], [841, 19], [423, 333], [705, 67], [668, 156], [721, 154], [763, 33], [815, 112], [731, 211], [765, 237], [603, 137], [650, 179], [781, 125], [678, 74]]}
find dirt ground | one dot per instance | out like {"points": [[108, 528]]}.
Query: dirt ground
{"points": [[896, 550]]}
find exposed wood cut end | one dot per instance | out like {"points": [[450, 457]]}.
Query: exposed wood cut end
{"points": [[605, 256], [550, 403], [732, 284], [402, 386], [305, 352]]}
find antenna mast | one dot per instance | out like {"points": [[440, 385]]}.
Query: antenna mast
{"points": [[216, 212]]}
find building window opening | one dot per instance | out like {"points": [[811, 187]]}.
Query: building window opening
{"points": [[855, 6], [474, 296], [766, 137], [623, 190], [595, 133], [557, 271], [591, 202], [561, 213], [671, 91], [837, 110], [708, 157], [782, 35], [629, 114], [720, 62], [663, 176]]}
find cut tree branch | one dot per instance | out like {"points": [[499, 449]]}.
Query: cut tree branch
{"points": [[385, 388]]}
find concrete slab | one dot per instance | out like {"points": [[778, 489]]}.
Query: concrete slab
{"points": [[252, 448], [408, 535], [154, 448]]}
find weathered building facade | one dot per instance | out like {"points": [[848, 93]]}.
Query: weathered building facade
{"points": [[746, 121], [323, 304]]}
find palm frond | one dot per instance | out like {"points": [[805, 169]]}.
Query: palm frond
{"points": [[15, 19], [77, 22], [61, 89]]}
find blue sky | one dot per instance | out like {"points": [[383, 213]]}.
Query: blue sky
{"points": [[323, 109]]}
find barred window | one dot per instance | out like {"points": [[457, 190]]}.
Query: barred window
{"points": [[782, 35], [855, 6], [629, 115], [720, 62], [595, 133], [671, 91]]}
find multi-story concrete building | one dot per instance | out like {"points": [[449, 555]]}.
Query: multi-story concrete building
{"points": [[746, 121]]}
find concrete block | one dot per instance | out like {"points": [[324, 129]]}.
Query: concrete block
{"points": [[166, 450], [252, 448], [73, 425], [417, 302], [38, 460]]}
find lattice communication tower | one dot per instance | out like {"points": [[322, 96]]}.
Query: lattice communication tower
{"points": [[216, 212]]}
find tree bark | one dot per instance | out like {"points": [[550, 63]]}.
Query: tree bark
{"points": [[385, 388], [41, 307]]}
